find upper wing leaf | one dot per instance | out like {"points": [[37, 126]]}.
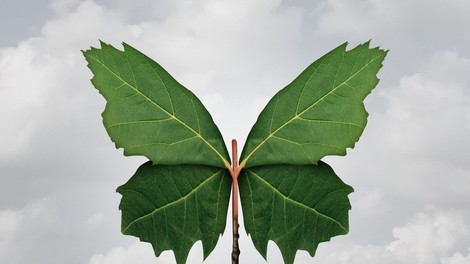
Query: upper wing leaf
{"points": [[296, 206], [320, 113], [149, 113], [174, 206]]}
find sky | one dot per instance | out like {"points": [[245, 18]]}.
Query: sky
{"points": [[59, 170]]}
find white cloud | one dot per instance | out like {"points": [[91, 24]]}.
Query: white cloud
{"points": [[138, 252], [415, 149], [457, 258], [425, 132], [430, 237], [14, 63]]}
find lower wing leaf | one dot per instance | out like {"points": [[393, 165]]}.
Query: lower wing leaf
{"points": [[297, 207], [172, 207]]}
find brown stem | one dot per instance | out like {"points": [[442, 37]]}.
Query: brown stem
{"points": [[235, 172], [235, 248]]}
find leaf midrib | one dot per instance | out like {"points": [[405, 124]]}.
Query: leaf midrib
{"points": [[182, 198], [171, 116], [275, 190], [297, 116]]}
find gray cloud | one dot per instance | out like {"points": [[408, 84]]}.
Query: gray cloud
{"points": [[22, 19], [235, 56]]}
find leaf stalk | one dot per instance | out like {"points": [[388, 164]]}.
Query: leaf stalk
{"points": [[234, 172]]}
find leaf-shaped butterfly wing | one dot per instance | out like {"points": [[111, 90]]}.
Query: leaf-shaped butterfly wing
{"points": [[182, 195], [320, 113], [149, 113], [287, 194]]}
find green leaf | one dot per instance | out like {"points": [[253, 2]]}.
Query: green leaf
{"points": [[297, 207], [149, 113], [320, 113], [174, 206]]}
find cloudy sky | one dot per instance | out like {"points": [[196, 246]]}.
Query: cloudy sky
{"points": [[59, 170]]}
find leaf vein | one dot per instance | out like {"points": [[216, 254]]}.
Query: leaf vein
{"points": [[307, 109], [313, 210], [183, 198], [227, 164]]}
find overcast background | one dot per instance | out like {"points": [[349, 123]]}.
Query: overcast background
{"points": [[59, 170]]}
